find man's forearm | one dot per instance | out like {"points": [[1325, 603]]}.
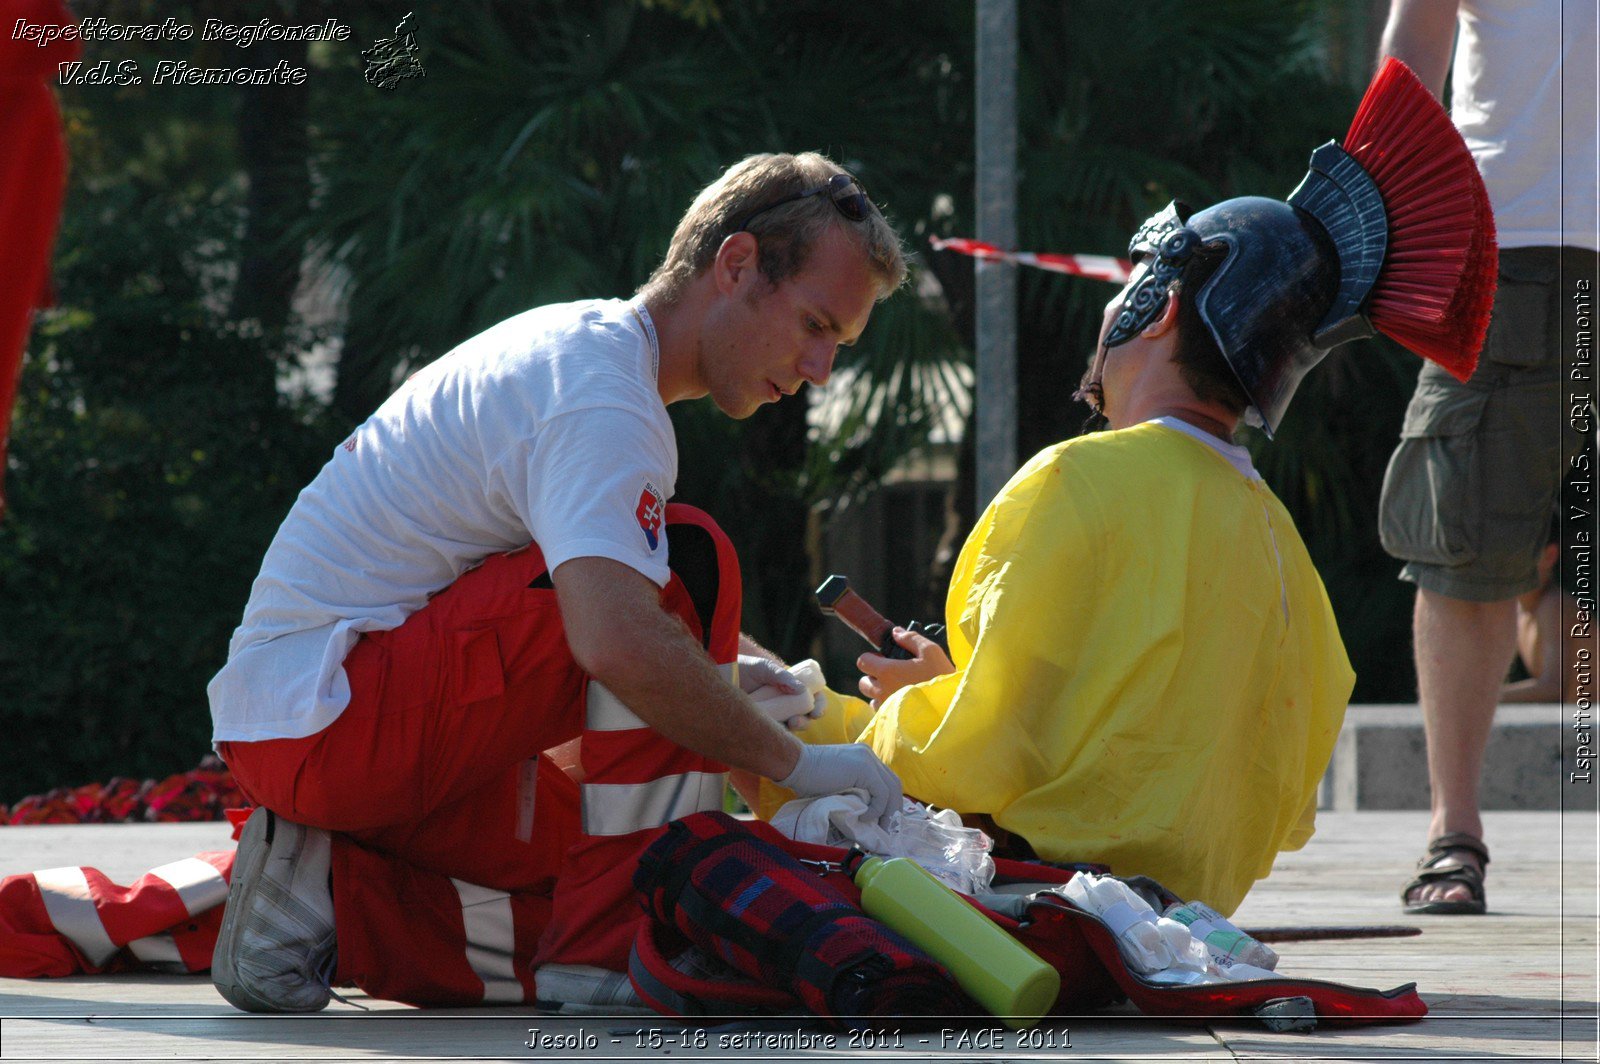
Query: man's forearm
{"points": [[619, 635], [754, 649], [1421, 33], [670, 682]]}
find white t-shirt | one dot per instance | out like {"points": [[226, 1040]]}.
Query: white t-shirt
{"points": [[546, 427], [1523, 95]]}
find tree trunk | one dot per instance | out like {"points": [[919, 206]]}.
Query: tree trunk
{"points": [[274, 146]]}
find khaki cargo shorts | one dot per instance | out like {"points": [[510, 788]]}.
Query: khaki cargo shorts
{"points": [[1469, 491]]}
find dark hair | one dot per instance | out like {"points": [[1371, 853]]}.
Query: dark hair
{"points": [[1205, 371]]}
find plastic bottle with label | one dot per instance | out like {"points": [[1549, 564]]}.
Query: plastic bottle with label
{"points": [[1227, 944]]}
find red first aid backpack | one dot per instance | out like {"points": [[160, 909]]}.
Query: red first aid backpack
{"points": [[708, 950]]}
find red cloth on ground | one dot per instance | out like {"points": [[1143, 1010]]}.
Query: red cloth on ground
{"points": [[70, 921]]}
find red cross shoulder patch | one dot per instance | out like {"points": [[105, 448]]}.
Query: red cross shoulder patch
{"points": [[652, 510]]}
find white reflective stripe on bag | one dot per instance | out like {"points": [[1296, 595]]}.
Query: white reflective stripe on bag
{"points": [[623, 808], [491, 941], [160, 950], [70, 905], [199, 885]]}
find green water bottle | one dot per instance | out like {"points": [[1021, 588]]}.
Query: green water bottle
{"points": [[1000, 973]]}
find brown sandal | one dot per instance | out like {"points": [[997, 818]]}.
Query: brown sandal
{"points": [[1438, 867]]}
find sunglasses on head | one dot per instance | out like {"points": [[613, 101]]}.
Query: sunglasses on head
{"points": [[848, 197]]}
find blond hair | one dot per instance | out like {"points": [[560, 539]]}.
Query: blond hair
{"points": [[785, 234]]}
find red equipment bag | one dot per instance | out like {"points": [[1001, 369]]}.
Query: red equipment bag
{"points": [[760, 913], [678, 975]]}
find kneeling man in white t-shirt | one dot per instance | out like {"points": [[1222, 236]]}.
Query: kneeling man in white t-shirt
{"points": [[477, 585]]}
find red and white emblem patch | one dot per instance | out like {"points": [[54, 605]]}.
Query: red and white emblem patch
{"points": [[652, 510]]}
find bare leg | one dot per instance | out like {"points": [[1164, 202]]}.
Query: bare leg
{"points": [[1463, 650]]}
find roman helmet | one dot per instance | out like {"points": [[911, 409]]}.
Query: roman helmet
{"points": [[1390, 232]]}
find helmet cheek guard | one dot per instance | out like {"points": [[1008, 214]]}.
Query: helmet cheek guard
{"points": [[1167, 244], [1276, 282]]}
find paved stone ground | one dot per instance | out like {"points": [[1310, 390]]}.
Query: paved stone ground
{"points": [[1519, 984]]}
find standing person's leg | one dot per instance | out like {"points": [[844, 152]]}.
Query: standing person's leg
{"points": [[1466, 504], [1463, 650]]}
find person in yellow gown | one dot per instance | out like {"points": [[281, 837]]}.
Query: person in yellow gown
{"points": [[1147, 671], [1144, 668]]}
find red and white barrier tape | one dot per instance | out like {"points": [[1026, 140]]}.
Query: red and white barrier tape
{"points": [[1099, 267]]}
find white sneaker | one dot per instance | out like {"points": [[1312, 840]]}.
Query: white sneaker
{"points": [[275, 952]]}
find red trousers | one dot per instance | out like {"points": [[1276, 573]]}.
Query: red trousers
{"points": [[463, 856]]}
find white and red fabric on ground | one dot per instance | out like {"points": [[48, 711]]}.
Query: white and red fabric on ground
{"points": [[72, 921]]}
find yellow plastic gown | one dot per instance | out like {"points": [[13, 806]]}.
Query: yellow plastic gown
{"points": [[1148, 672]]}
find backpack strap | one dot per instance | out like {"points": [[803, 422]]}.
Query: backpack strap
{"points": [[694, 984]]}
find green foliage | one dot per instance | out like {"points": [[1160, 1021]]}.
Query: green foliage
{"points": [[1125, 107], [152, 459], [700, 12]]}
